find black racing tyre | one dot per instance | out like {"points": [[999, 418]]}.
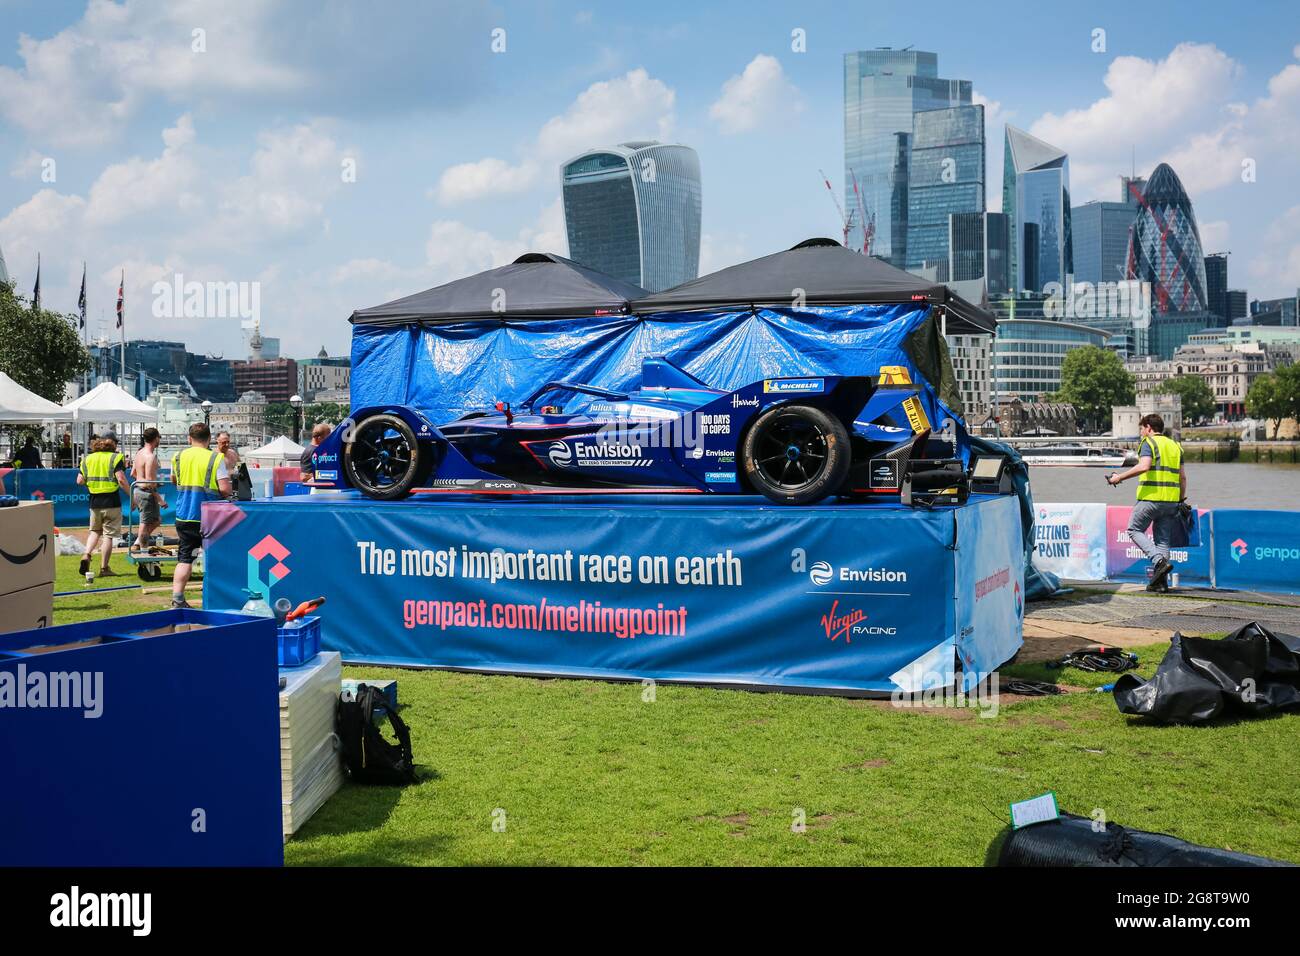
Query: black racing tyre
{"points": [[796, 454], [383, 460]]}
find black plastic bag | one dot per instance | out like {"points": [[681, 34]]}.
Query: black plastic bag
{"points": [[1250, 672], [1074, 841]]}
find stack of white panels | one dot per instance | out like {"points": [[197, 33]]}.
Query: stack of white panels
{"points": [[311, 770]]}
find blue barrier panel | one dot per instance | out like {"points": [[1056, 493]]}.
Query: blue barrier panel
{"points": [[843, 597], [1257, 550], [135, 750], [71, 501]]}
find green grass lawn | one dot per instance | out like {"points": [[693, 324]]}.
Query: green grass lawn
{"points": [[591, 773]]}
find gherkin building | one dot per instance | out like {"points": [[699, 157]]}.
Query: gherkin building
{"points": [[1165, 246]]}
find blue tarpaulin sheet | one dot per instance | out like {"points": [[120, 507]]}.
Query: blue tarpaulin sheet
{"points": [[451, 368], [837, 597]]}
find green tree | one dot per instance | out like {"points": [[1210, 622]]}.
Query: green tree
{"points": [[331, 412], [1275, 396], [1198, 400], [39, 350], [1093, 380]]}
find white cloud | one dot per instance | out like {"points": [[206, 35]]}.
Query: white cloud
{"points": [[1214, 235], [718, 252], [1277, 267], [139, 186], [760, 95], [455, 249], [468, 181], [633, 106], [79, 86], [294, 171], [27, 165]]}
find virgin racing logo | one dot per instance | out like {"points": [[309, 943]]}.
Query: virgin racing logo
{"points": [[850, 623]]}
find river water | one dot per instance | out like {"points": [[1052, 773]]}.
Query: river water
{"points": [[1233, 485]]}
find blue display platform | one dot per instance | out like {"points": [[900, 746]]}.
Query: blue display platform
{"points": [[835, 598], [147, 740]]}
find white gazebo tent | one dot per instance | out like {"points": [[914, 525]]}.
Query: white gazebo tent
{"points": [[281, 451], [110, 404], [19, 406]]}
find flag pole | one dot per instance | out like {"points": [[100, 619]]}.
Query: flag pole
{"points": [[121, 324]]}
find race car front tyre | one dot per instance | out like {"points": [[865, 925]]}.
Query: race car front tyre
{"points": [[796, 454], [383, 459]]}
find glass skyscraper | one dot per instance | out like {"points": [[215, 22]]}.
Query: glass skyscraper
{"points": [[1216, 286], [632, 211], [1165, 248], [1036, 190], [1100, 231], [945, 175], [882, 90], [978, 248]]}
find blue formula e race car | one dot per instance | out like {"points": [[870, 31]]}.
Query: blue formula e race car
{"points": [[794, 440]]}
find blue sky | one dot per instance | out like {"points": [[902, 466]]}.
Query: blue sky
{"points": [[225, 165]]}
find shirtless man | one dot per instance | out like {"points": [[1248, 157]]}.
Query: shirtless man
{"points": [[228, 450], [145, 497]]}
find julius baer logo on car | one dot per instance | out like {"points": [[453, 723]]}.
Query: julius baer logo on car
{"points": [[844, 618]]}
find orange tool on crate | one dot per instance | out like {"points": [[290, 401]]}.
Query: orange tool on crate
{"points": [[306, 607]]}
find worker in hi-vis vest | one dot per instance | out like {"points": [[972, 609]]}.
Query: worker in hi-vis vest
{"points": [[200, 474], [1162, 486], [103, 472]]}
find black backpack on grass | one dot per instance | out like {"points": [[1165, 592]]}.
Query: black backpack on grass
{"points": [[370, 758]]}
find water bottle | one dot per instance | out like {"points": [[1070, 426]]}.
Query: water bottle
{"points": [[256, 605]]}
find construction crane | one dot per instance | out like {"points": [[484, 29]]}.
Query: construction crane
{"points": [[845, 221], [868, 222]]}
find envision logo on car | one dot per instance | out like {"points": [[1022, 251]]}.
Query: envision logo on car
{"points": [[560, 454]]}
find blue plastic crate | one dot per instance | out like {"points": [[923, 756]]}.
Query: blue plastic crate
{"points": [[298, 642]]}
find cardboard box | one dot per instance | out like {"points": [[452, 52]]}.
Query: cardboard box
{"points": [[27, 547], [27, 610]]}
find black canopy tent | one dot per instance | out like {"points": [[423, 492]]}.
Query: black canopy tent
{"points": [[828, 274], [536, 285]]}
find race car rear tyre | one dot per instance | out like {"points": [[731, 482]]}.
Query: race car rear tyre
{"points": [[383, 460], [796, 454]]}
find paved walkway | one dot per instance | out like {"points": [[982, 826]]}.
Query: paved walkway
{"points": [[1126, 615]]}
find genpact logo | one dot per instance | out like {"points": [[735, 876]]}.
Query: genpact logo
{"points": [[560, 454], [1239, 548], [267, 547]]}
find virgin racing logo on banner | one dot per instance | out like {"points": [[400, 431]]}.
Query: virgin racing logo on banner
{"points": [[850, 623]]}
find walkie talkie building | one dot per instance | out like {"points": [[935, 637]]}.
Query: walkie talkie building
{"points": [[632, 211]]}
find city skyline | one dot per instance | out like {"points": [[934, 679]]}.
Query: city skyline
{"points": [[228, 168]]}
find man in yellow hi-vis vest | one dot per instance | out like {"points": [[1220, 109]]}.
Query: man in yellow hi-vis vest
{"points": [[1162, 485], [103, 472], [200, 474]]}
